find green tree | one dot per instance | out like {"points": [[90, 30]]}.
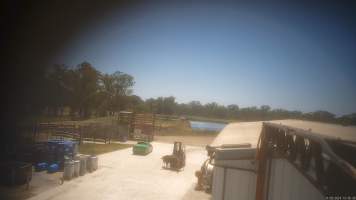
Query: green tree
{"points": [[57, 95], [84, 85], [233, 110], [320, 115], [114, 89]]}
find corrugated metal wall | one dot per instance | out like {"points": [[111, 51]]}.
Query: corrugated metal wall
{"points": [[287, 183]]}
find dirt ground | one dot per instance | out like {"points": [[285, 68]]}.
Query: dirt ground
{"points": [[122, 175]]}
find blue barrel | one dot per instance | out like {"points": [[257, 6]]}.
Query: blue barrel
{"points": [[41, 166], [53, 168]]}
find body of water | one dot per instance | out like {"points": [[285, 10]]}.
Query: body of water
{"points": [[206, 126]]}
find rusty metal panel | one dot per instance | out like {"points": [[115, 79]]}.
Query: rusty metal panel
{"points": [[287, 183]]}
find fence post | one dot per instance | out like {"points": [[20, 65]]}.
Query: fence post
{"points": [[80, 135], [34, 133]]}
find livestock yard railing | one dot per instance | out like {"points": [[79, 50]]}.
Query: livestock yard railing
{"points": [[145, 123], [57, 131], [139, 125], [90, 132], [328, 163]]}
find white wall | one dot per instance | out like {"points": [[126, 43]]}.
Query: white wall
{"points": [[287, 183], [239, 185]]}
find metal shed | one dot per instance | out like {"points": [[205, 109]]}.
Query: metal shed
{"points": [[287, 159]]}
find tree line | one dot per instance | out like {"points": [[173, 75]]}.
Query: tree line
{"points": [[167, 105], [87, 92]]}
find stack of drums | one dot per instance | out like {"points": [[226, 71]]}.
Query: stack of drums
{"points": [[92, 163], [68, 170], [89, 164], [76, 168], [80, 166], [87, 157], [83, 165]]}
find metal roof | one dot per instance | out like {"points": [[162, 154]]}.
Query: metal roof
{"points": [[249, 132]]}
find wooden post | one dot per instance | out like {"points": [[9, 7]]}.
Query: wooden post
{"points": [[93, 138], [153, 126], [80, 135], [34, 133], [106, 136]]}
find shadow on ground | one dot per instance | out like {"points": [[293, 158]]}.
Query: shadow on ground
{"points": [[193, 194]]}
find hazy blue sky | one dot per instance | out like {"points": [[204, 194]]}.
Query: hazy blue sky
{"points": [[287, 56]]}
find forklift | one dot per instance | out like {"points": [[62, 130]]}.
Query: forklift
{"points": [[175, 161]]}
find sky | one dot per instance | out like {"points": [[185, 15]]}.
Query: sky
{"points": [[296, 57]]}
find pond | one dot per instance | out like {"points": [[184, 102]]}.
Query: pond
{"points": [[206, 126]]}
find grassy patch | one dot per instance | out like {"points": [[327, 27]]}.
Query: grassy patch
{"points": [[96, 149]]}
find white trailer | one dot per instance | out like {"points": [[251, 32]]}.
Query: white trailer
{"points": [[285, 163]]}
